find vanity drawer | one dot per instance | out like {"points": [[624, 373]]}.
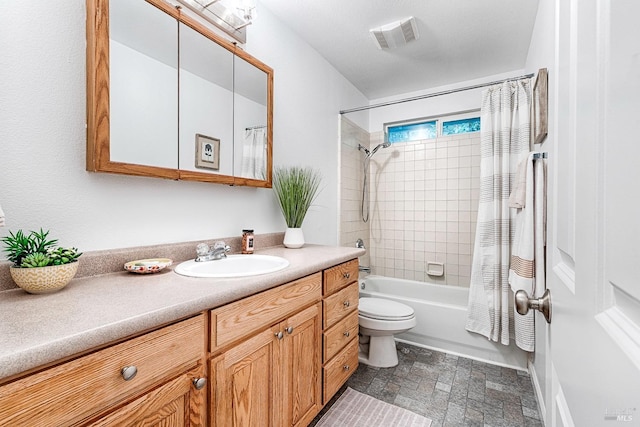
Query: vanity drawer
{"points": [[339, 335], [339, 369], [73, 391], [338, 277], [338, 305], [243, 317]]}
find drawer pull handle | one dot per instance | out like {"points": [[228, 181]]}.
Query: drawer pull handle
{"points": [[289, 330], [279, 335], [128, 372], [199, 383], [346, 367], [346, 275], [346, 304], [346, 334]]}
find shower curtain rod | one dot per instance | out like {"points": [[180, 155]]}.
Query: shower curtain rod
{"points": [[431, 95]]}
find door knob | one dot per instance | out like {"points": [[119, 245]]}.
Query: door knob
{"points": [[543, 304]]}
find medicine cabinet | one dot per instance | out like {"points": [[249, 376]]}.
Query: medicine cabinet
{"points": [[168, 98]]}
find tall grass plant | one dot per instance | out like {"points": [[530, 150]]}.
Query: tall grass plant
{"points": [[296, 188]]}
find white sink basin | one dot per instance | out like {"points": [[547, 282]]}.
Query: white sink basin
{"points": [[233, 266]]}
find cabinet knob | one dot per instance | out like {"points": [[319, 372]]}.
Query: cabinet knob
{"points": [[199, 383], [346, 334], [279, 335], [346, 304], [346, 367], [346, 275], [289, 330], [128, 372]]}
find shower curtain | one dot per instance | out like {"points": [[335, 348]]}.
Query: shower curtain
{"points": [[254, 153], [504, 142]]}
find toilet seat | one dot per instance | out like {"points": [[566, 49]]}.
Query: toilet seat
{"points": [[384, 309]]}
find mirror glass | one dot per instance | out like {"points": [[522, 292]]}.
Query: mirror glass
{"points": [[143, 84], [250, 120], [206, 104]]}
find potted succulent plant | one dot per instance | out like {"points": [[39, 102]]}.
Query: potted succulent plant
{"points": [[296, 188], [38, 265]]}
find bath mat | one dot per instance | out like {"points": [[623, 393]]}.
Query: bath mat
{"points": [[355, 409]]}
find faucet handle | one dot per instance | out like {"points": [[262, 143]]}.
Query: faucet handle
{"points": [[202, 249], [220, 244]]}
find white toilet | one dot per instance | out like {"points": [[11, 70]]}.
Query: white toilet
{"points": [[379, 320]]}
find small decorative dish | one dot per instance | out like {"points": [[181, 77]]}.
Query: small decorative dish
{"points": [[145, 266]]}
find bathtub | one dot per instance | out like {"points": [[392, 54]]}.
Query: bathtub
{"points": [[441, 313]]}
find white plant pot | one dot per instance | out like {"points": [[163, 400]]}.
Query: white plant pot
{"points": [[293, 238]]}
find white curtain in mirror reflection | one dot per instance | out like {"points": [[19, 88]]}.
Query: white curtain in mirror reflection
{"points": [[254, 153]]}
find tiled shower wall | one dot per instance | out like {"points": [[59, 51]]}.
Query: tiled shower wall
{"points": [[351, 174], [424, 204]]}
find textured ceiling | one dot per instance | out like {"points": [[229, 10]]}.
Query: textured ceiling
{"points": [[459, 39]]}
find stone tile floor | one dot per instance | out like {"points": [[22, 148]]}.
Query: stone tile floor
{"points": [[450, 390]]}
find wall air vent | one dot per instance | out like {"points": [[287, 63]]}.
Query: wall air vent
{"points": [[395, 34]]}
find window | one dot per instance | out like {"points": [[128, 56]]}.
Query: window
{"points": [[431, 128], [454, 127], [412, 131]]}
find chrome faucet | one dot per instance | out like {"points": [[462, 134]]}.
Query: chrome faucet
{"points": [[206, 253]]}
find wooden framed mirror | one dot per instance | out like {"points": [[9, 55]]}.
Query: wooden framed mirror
{"points": [[168, 98]]}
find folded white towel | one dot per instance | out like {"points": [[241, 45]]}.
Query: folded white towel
{"points": [[517, 198], [1, 217], [527, 269], [522, 267]]}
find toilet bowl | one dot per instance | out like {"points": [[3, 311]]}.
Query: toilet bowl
{"points": [[379, 320]]}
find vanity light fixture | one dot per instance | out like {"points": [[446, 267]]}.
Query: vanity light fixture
{"points": [[231, 16], [396, 34]]}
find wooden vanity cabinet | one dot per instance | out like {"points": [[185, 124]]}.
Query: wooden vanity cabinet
{"points": [[274, 359], [92, 390], [340, 326], [269, 374]]}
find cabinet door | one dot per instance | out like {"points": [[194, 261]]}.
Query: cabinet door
{"points": [[246, 391], [301, 365], [174, 404]]}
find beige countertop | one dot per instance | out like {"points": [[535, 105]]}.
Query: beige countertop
{"points": [[93, 311]]}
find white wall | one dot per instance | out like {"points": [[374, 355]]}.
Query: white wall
{"points": [[308, 96], [43, 182], [542, 55]]}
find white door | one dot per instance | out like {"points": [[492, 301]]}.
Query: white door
{"points": [[593, 261]]}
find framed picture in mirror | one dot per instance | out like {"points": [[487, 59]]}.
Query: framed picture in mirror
{"points": [[207, 152], [540, 107]]}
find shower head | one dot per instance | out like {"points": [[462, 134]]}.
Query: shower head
{"points": [[377, 147]]}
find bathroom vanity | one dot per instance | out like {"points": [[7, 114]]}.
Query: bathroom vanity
{"points": [[267, 353]]}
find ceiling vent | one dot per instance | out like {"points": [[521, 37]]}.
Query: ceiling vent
{"points": [[395, 34]]}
